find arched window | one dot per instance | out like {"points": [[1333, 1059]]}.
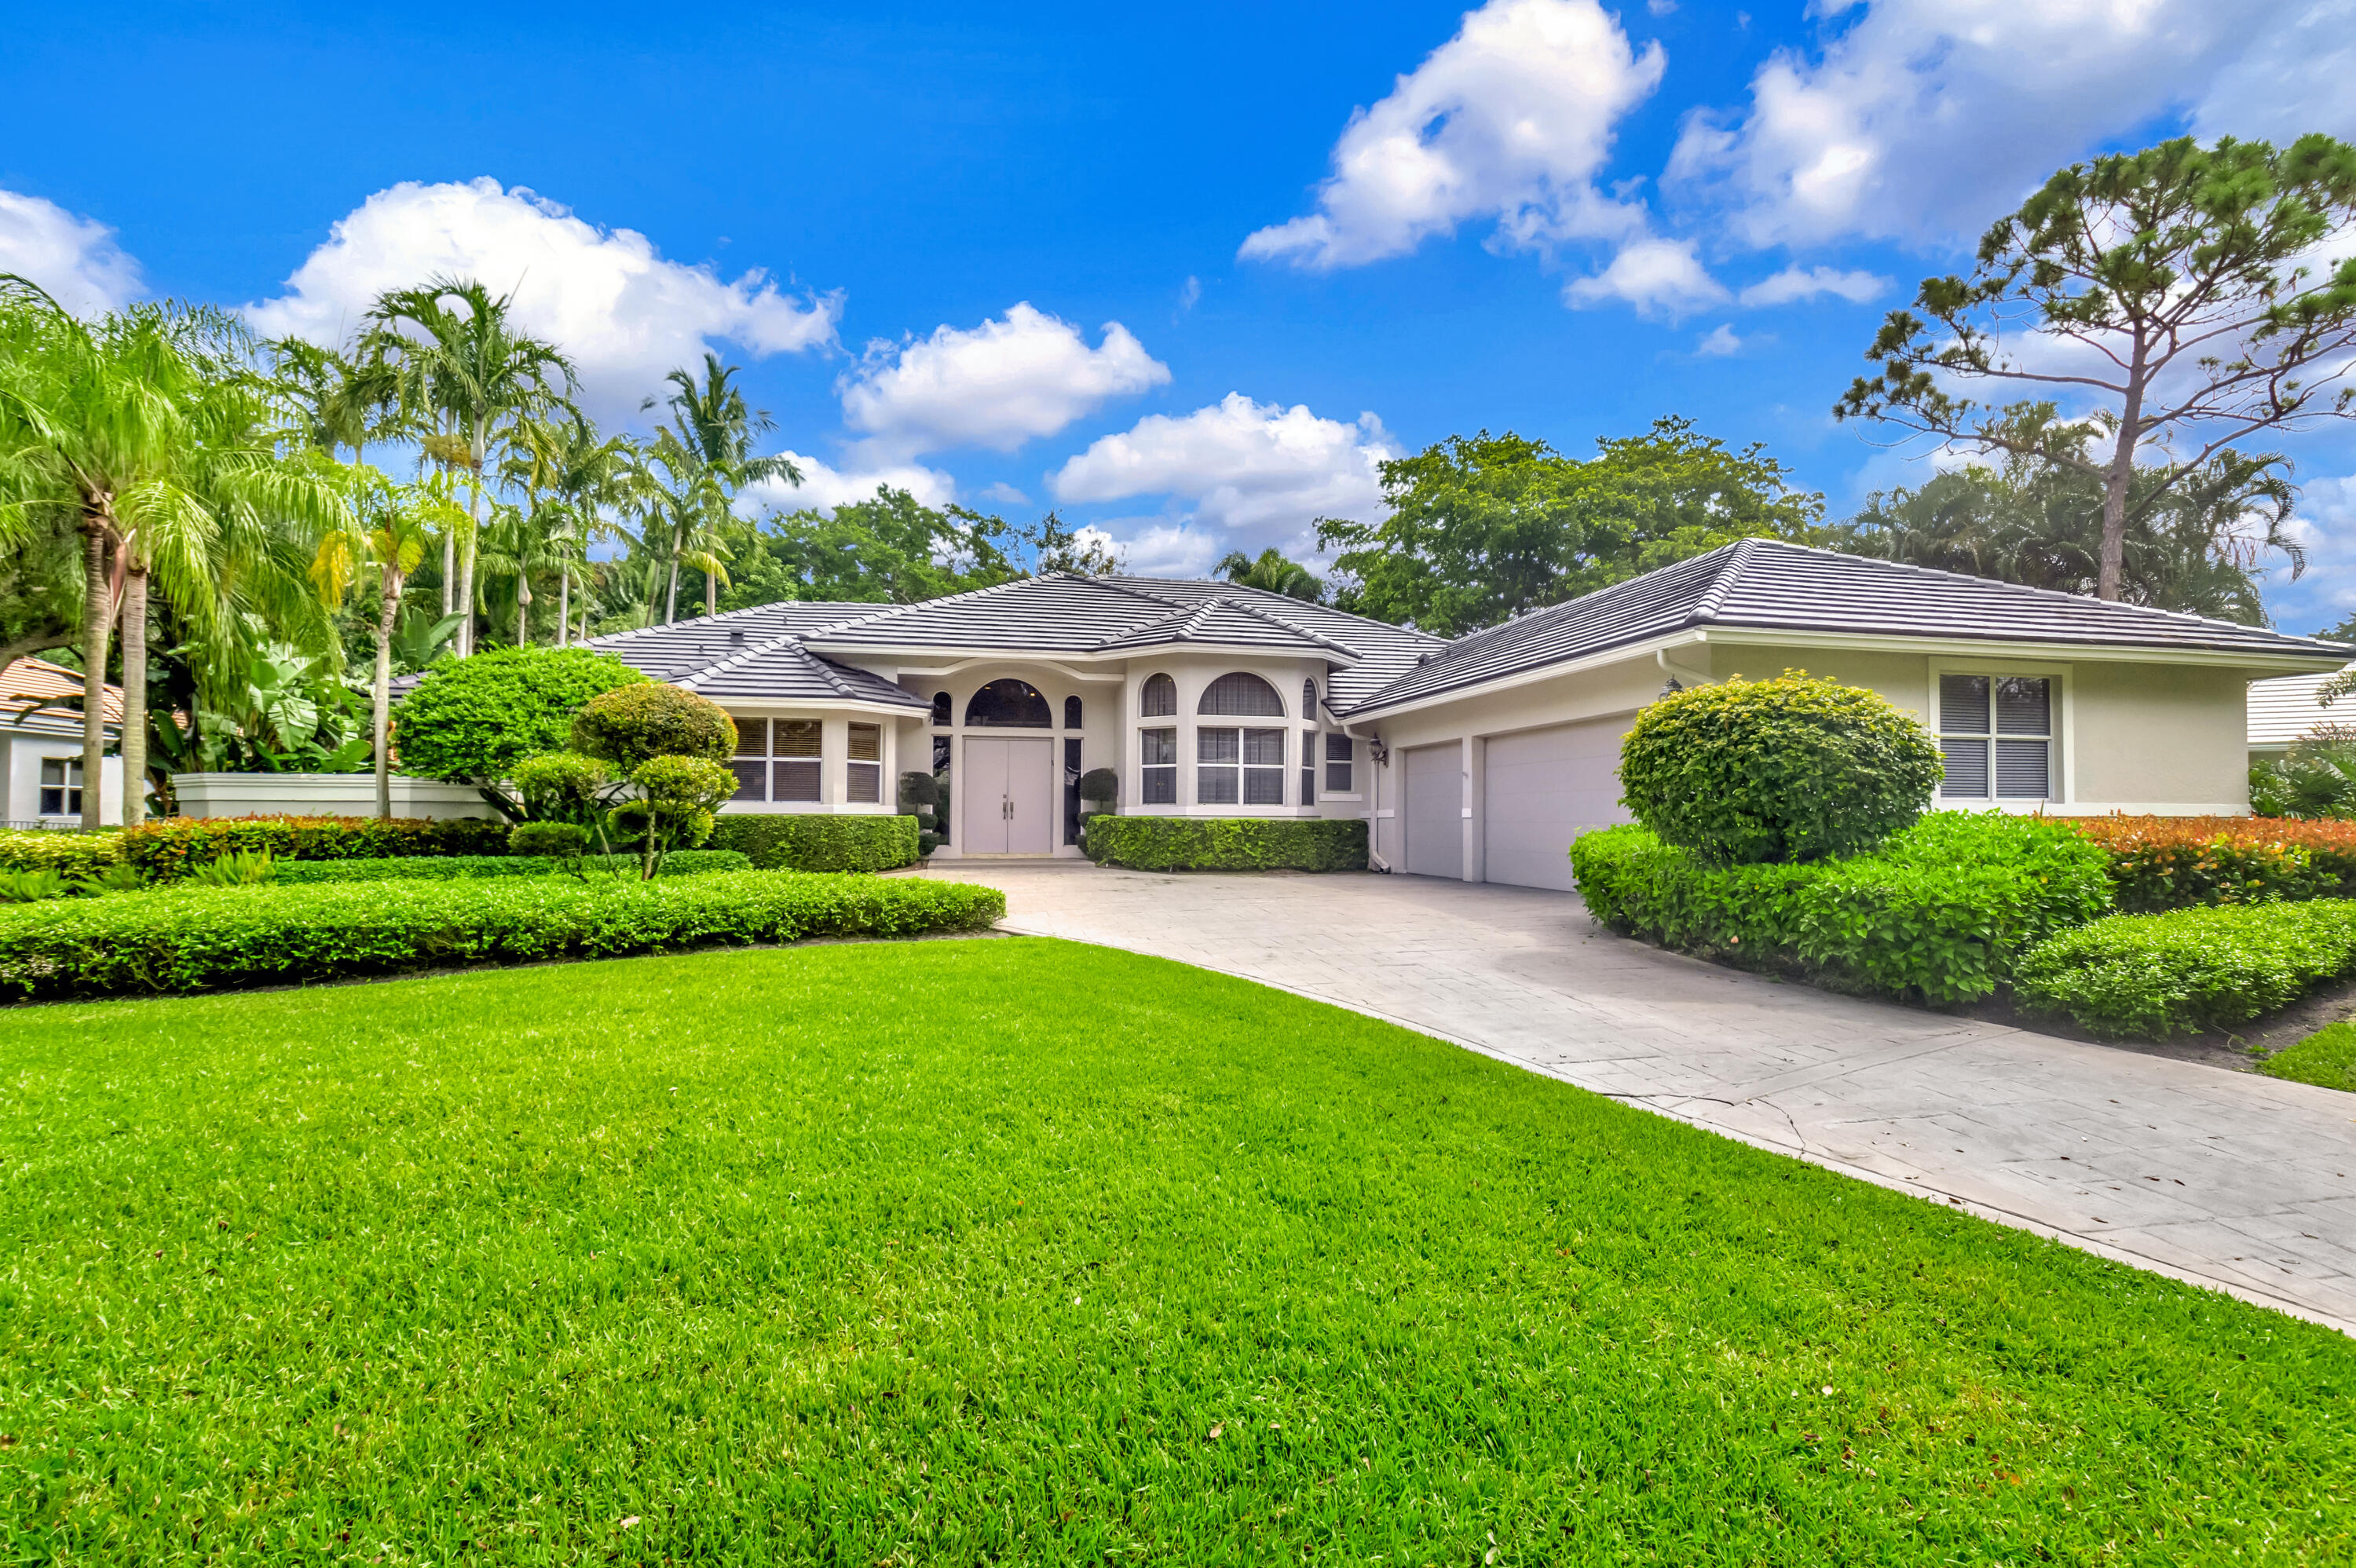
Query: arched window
{"points": [[1071, 713], [1309, 702], [940, 709], [1238, 695], [1009, 704], [1159, 699]]}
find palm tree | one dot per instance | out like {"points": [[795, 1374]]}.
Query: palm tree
{"points": [[711, 428], [582, 475], [478, 374], [339, 399], [1274, 574], [148, 429], [389, 527]]}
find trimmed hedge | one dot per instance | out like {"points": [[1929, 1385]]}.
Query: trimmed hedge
{"points": [[2154, 975], [452, 867], [67, 853], [795, 841], [1942, 912], [197, 939], [165, 850], [1226, 843], [2161, 863]]}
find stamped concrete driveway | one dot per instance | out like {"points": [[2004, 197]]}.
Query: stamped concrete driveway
{"points": [[2224, 1178]]}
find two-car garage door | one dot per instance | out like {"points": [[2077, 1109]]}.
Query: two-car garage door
{"points": [[1545, 787]]}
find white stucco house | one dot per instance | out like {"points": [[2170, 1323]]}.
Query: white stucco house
{"points": [[1479, 758], [41, 749]]}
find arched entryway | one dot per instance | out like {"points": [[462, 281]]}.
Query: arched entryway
{"points": [[1007, 796]]}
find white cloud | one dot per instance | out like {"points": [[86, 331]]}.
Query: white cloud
{"points": [[1659, 277], [1794, 284], [1511, 119], [1924, 120], [75, 259], [1170, 549], [1242, 464], [624, 313], [1720, 342], [824, 487], [1004, 382], [1005, 495], [2324, 525]]}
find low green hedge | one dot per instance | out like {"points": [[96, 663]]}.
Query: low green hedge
{"points": [[447, 868], [165, 850], [69, 854], [1226, 843], [781, 841], [1941, 912], [2150, 975], [197, 939]]}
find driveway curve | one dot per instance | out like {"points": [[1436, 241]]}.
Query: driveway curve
{"points": [[2227, 1179]]}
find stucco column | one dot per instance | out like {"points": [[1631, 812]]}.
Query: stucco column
{"points": [[1475, 772], [835, 732]]}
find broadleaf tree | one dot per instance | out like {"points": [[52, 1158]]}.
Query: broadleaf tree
{"points": [[1481, 529], [2184, 295]]}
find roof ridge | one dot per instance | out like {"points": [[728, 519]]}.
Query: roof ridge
{"points": [[886, 610], [1282, 625], [1721, 581], [2060, 593], [735, 661]]}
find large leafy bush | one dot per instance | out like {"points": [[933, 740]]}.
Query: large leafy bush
{"points": [[1764, 772], [635, 724], [163, 851], [796, 841], [2160, 863], [1941, 912], [472, 720], [195, 939], [1226, 843], [2191, 969]]}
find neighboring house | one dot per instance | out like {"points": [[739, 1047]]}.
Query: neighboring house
{"points": [[40, 748], [2285, 709], [1480, 758]]}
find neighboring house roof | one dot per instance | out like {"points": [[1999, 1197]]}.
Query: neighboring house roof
{"points": [[29, 682], [2283, 709], [1767, 585]]}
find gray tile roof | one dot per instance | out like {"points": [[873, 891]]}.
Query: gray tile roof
{"points": [[682, 647], [1767, 585], [782, 670]]}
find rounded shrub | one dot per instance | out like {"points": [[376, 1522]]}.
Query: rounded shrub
{"points": [[635, 725], [560, 786], [1099, 786], [556, 841], [472, 720], [1775, 771]]}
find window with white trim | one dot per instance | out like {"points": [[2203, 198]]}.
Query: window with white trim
{"points": [[1341, 755], [1159, 697], [1239, 766], [60, 786], [1995, 735], [1158, 752], [863, 779], [752, 764]]}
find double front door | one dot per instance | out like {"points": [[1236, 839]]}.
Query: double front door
{"points": [[1007, 797]]}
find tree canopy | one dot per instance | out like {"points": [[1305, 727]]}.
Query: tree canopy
{"points": [[2175, 291], [1485, 528]]}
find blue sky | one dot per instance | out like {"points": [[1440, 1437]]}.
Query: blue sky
{"points": [[1326, 234]]}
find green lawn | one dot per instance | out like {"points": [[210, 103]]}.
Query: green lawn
{"points": [[2327, 1057], [1015, 1251]]}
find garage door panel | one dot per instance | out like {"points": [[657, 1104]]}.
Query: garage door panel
{"points": [[1545, 787], [1435, 811]]}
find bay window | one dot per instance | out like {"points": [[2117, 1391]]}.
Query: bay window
{"points": [[1232, 766]]}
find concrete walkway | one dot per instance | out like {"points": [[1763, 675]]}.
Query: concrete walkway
{"points": [[2228, 1179]]}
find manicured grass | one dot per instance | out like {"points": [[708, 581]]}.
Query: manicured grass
{"points": [[1013, 1250], [2327, 1057]]}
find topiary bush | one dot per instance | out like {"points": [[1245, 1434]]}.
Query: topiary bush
{"points": [[814, 842], [549, 840], [677, 796], [1226, 843], [562, 787], [1773, 772], [1101, 786], [471, 720], [635, 724]]}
